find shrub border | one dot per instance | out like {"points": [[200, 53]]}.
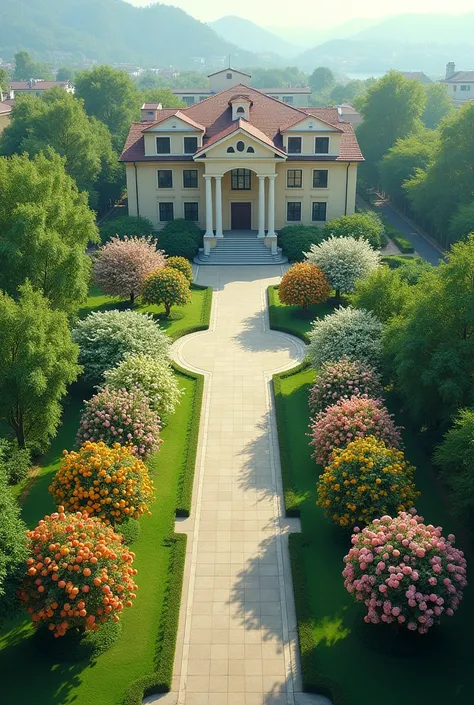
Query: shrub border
{"points": [[271, 296], [403, 244]]}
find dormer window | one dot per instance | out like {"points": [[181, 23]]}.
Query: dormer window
{"points": [[240, 105], [241, 110]]}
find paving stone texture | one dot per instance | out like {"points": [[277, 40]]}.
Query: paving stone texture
{"points": [[237, 641]]}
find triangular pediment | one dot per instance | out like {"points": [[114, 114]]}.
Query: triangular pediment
{"points": [[310, 124], [175, 123]]}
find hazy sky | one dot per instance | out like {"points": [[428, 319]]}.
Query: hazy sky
{"points": [[265, 12]]}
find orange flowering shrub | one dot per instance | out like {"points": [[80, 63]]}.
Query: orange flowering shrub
{"points": [[78, 574], [109, 483], [304, 284]]}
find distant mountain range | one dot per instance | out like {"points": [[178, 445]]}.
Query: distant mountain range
{"points": [[252, 37]]}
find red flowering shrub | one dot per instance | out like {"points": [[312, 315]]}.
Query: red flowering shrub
{"points": [[342, 380]]}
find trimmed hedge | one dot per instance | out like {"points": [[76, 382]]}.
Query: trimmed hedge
{"points": [[180, 238], [403, 244], [125, 225], [160, 680], [395, 261], [297, 239]]}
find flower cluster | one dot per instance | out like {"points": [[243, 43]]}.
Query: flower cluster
{"points": [[183, 265], [348, 420], [344, 260], [78, 573], [167, 286], [405, 572], [121, 416], [304, 284], [109, 483], [364, 481], [342, 380]]}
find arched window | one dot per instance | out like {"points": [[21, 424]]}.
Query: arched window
{"points": [[240, 146], [241, 110], [251, 150], [230, 150]]}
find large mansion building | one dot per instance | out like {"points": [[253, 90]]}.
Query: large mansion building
{"points": [[241, 160]]}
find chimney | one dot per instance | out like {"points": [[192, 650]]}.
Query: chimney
{"points": [[450, 70]]}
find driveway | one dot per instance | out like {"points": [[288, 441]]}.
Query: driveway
{"points": [[422, 246]]}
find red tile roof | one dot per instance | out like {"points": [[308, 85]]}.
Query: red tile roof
{"points": [[37, 86], [5, 109], [268, 116], [177, 114]]}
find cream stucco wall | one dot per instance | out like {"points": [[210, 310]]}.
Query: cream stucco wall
{"points": [[458, 96], [220, 82]]}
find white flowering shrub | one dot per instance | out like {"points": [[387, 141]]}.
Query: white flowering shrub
{"points": [[344, 260], [155, 378], [105, 337], [351, 333]]}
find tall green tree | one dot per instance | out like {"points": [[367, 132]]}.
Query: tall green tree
{"points": [[111, 97], [430, 346], [321, 79], [403, 159], [26, 68], [346, 93], [37, 361], [45, 225], [3, 80], [65, 73], [391, 109], [437, 105], [13, 551], [462, 223], [165, 96]]}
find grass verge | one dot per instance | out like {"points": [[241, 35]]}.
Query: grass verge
{"points": [[292, 319]]}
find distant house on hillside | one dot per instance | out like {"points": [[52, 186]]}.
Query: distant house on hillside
{"points": [[349, 114], [417, 76], [459, 85], [36, 86], [229, 78]]}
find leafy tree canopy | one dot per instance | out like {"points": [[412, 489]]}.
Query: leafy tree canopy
{"points": [[26, 68], [165, 96], [3, 80], [437, 105], [12, 549], [65, 73], [403, 159], [321, 79], [462, 222]]}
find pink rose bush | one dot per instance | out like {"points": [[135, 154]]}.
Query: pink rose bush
{"points": [[348, 420], [406, 572], [121, 416], [342, 380]]}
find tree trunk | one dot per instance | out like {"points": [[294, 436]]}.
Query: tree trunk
{"points": [[132, 298], [167, 310]]}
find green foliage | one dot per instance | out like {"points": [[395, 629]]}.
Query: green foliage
{"points": [[410, 270], [3, 80], [77, 645], [182, 265], [395, 261], [344, 260], [367, 226], [403, 244], [346, 93], [65, 73], [295, 240], [130, 530], [383, 292], [403, 159], [12, 549], [391, 109], [125, 226], [45, 225], [462, 223], [438, 105], [25, 68], [430, 349], [321, 79], [14, 462], [37, 361], [166, 286], [180, 238], [165, 96]]}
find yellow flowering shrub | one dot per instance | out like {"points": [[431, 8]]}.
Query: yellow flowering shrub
{"points": [[109, 483], [304, 284], [365, 480]]}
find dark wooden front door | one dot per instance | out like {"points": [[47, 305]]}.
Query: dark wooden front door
{"points": [[241, 216]]}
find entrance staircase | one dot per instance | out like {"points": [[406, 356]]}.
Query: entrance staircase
{"points": [[237, 248]]}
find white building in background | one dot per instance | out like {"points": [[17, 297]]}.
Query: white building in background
{"points": [[459, 85]]}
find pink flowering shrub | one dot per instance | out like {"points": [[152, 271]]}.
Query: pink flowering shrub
{"points": [[121, 416], [405, 572], [342, 380], [348, 420]]}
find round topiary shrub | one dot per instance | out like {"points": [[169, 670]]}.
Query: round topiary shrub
{"points": [[366, 226], [302, 285], [348, 420], [366, 480], [342, 380], [354, 334], [180, 238], [295, 240], [109, 483], [167, 286], [182, 265], [121, 266], [121, 416], [78, 575], [405, 572], [344, 260], [155, 378], [105, 337], [126, 225]]}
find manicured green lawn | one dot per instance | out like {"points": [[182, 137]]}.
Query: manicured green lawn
{"points": [[146, 645], [341, 656], [292, 319]]}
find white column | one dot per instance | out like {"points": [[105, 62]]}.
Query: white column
{"points": [[219, 232], [271, 206], [261, 206], [209, 231]]}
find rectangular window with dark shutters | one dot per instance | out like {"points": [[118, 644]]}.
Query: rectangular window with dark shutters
{"points": [[320, 178], [190, 178], [166, 212], [241, 180], [163, 145], [294, 178], [190, 145], [319, 212], [321, 145], [293, 211], [191, 212], [165, 178], [294, 145]]}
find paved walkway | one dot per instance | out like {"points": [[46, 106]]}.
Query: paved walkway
{"points": [[237, 634], [422, 246]]}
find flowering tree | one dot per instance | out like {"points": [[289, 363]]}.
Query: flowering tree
{"points": [[121, 416], [155, 378], [342, 380], [344, 260], [405, 572], [302, 285], [78, 573], [183, 265], [105, 338], [365, 480], [168, 287], [348, 420], [109, 483], [349, 333], [121, 266]]}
